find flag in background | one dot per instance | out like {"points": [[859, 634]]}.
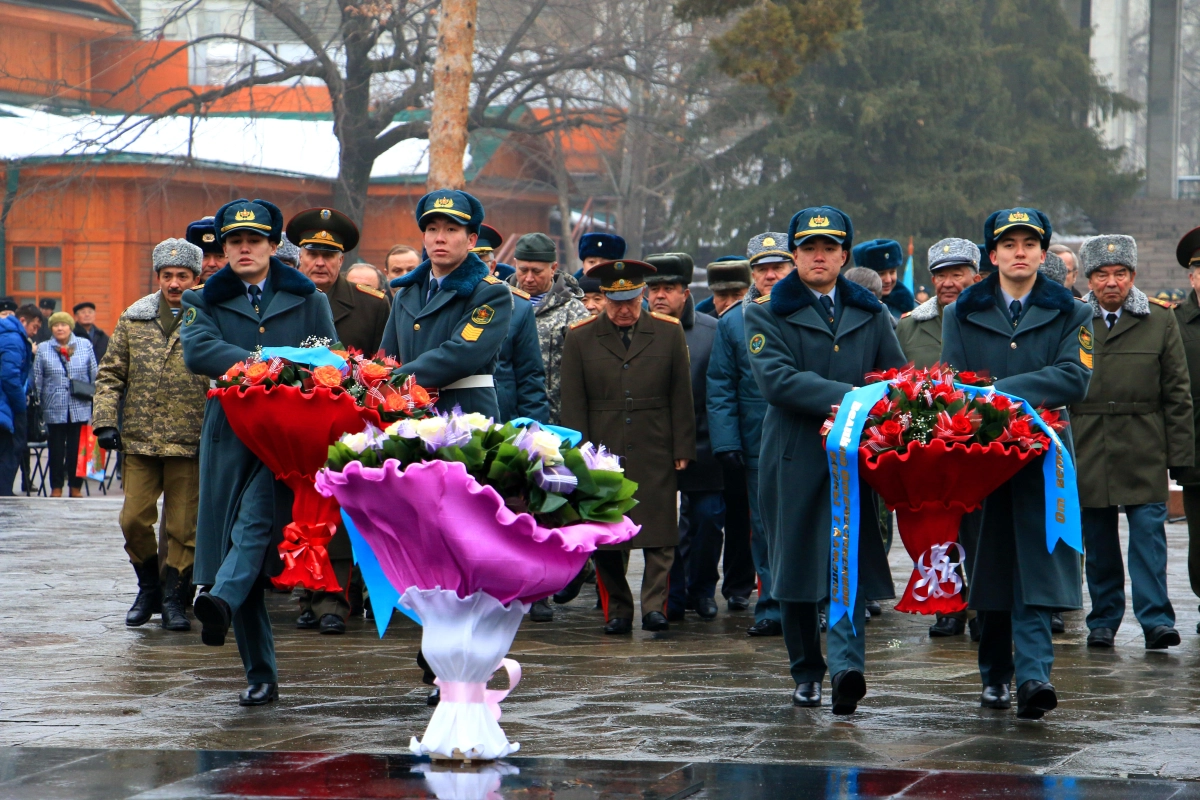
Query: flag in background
{"points": [[907, 280]]}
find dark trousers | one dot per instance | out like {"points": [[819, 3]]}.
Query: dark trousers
{"points": [[737, 564], [1191, 508], [767, 606], [802, 636], [1023, 629], [321, 603], [694, 571], [12, 446], [1147, 566], [615, 595], [63, 446]]}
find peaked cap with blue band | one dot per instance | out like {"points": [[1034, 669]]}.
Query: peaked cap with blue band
{"points": [[257, 216], [1009, 218], [879, 254], [601, 245], [453, 204], [203, 234], [489, 240], [824, 221]]}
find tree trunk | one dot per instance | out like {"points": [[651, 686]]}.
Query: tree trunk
{"points": [[452, 74], [568, 258]]}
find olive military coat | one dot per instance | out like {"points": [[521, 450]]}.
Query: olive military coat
{"points": [[920, 334], [1042, 360], [360, 314], [803, 368], [1187, 314], [457, 334], [638, 404], [221, 328], [1137, 418]]}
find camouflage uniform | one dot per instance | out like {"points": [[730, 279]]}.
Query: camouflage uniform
{"points": [[560, 308], [162, 407]]}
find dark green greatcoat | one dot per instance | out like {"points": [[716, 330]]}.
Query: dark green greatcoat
{"points": [[1187, 314], [220, 328], [360, 314], [1137, 418], [920, 334], [803, 369], [428, 337], [1039, 361]]}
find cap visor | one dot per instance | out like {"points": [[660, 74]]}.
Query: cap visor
{"points": [[773, 258], [805, 238], [996, 233], [948, 264], [628, 294]]}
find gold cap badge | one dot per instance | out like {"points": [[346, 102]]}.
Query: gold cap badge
{"points": [[818, 222], [174, 251], [208, 237], [945, 248], [443, 202], [1018, 216], [245, 215], [1112, 247], [325, 213], [769, 241], [620, 265]]}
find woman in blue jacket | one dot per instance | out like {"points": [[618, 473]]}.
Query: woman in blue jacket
{"points": [[61, 359]]}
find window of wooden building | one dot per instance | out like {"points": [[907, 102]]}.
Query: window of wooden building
{"points": [[36, 274]]}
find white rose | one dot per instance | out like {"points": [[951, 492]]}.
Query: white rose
{"points": [[430, 428], [546, 443], [355, 441], [476, 421], [402, 429]]}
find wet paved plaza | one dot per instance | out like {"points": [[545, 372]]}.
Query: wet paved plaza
{"points": [[701, 710]]}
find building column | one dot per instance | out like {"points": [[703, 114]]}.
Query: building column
{"points": [[1162, 100]]}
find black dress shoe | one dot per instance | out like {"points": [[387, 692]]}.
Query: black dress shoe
{"points": [[619, 626], [541, 611], [738, 603], [1056, 622], [1101, 637], [654, 621], [807, 695], [947, 626], [434, 698], [765, 627], [1034, 699], [706, 607], [675, 614], [974, 630], [259, 694], [996, 696], [849, 686], [308, 621], [214, 616], [332, 625], [1161, 637], [874, 608]]}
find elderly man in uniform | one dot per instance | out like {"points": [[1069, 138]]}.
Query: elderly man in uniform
{"points": [[1035, 341], [1187, 313], [626, 384], [360, 316], [886, 258], [254, 301], [203, 234], [150, 406], [1134, 424], [811, 340], [736, 409]]}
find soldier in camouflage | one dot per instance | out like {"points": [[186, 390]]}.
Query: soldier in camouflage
{"points": [[557, 302], [162, 406]]}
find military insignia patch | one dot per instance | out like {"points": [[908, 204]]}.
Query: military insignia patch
{"points": [[208, 237], [757, 342], [472, 333], [1085, 338], [1085, 357], [189, 316], [483, 315], [492, 279], [769, 241]]}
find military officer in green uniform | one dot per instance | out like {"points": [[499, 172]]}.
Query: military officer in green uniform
{"points": [[1033, 338], [450, 316], [360, 315], [1135, 423], [254, 301], [1187, 254], [812, 340]]}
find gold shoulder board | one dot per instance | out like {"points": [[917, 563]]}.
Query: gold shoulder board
{"points": [[519, 292], [766, 298], [196, 288], [581, 322], [492, 279], [905, 314], [370, 291], [664, 317], [1162, 303]]}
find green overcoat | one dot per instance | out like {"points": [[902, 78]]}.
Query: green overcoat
{"points": [[803, 369], [920, 334], [1187, 314]]}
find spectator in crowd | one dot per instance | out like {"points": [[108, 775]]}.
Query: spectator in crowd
{"points": [[203, 234], [31, 318], [15, 360], [922, 295], [364, 274], [400, 261], [288, 253], [870, 280], [85, 327], [729, 280], [486, 247], [1068, 257], [593, 298], [162, 407], [65, 362], [1054, 268], [47, 306]]}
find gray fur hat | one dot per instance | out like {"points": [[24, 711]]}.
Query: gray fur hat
{"points": [[177, 253], [1106, 250], [1054, 268], [953, 253], [288, 252]]}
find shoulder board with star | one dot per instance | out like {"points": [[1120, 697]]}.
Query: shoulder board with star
{"points": [[664, 317], [905, 314], [766, 298], [519, 292], [492, 279], [370, 291], [197, 287], [1163, 303], [583, 322]]}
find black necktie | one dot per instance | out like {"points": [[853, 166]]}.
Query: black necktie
{"points": [[1111, 319], [625, 337], [255, 293], [827, 304], [434, 287], [1014, 310]]}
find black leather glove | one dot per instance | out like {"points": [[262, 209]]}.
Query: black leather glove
{"points": [[732, 459], [108, 438]]}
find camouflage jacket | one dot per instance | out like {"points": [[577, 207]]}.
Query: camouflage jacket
{"points": [[144, 383], [559, 309]]}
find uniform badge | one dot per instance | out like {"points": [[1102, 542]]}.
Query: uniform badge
{"points": [[189, 316], [208, 238], [1086, 358], [1085, 339], [325, 213], [471, 333], [245, 215], [757, 342], [483, 315], [769, 241], [443, 202]]}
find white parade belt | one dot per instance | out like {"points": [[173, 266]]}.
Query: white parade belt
{"points": [[472, 382]]}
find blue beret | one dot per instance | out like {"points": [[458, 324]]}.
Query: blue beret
{"points": [[601, 245], [458, 206], [258, 216], [820, 221], [203, 234], [1009, 218], [879, 254]]}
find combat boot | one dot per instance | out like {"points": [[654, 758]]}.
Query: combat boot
{"points": [[149, 596], [174, 601]]}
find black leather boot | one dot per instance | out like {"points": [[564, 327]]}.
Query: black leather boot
{"points": [[149, 596], [173, 601]]}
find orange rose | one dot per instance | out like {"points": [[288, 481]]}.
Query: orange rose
{"points": [[395, 402], [327, 375], [256, 372], [371, 373], [419, 396], [342, 353]]}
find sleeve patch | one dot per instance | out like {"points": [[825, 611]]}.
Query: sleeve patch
{"points": [[483, 315], [189, 316], [471, 333], [757, 342], [1085, 338], [1086, 358]]}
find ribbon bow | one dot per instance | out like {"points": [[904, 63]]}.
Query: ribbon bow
{"points": [[940, 570], [305, 544], [462, 692]]}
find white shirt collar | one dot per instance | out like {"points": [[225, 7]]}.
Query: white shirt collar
{"points": [[261, 285], [829, 294], [1105, 312], [1008, 299]]}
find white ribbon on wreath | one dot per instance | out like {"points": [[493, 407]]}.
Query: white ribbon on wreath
{"points": [[940, 570]]}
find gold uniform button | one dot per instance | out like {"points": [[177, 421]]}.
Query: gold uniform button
{"points": [[262, 330], [1013, 345], [416, 326], [835, 348]]}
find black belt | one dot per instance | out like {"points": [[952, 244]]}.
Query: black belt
{"points": [[1113, 409], [629, 404]]}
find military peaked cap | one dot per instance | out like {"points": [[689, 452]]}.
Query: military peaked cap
{"points": [[323, 229], [453, 204], [953, 253], [824, 221], [257, 216], [768, 248], [1188, 251], [489, 240], [622, 280], [1010, 218]]}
